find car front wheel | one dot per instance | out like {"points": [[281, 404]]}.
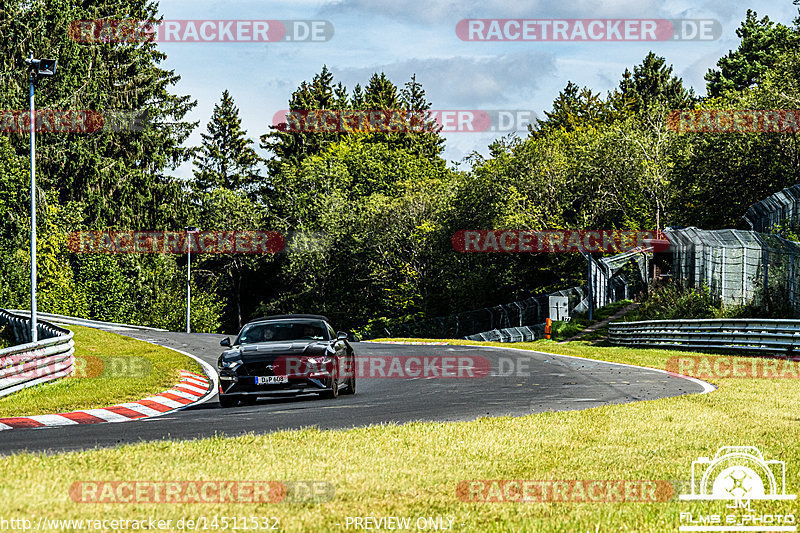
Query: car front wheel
{"points": [[334, 382]]}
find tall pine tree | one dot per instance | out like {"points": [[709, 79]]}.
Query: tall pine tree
{"points": [[227, 158], [121, 177]]}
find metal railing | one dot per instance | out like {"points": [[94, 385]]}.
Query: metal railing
{"points": [[31, 363], [520, 334], [745, 334]]}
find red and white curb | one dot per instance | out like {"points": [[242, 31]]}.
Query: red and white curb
{"points": [[189, 390]]}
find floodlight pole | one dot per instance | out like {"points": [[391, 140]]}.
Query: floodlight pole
{"points": [[34, 330], [37, 67]]}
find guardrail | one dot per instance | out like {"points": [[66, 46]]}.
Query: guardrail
{"points": [[520, 334], [31, 363], [746, 334]]}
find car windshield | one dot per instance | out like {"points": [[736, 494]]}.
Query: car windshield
{"points": [[283, 331]]}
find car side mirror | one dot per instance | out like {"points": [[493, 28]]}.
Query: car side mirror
{"points": [[225, 342], [341, 336]]}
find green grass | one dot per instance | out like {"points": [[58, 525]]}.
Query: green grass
{"points": [[413, 469], [110, 369]]}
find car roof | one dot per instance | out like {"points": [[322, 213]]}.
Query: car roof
{"points": [[289, 317]]}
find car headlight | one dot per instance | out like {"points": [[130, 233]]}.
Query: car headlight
{"points": [[230, 361]]}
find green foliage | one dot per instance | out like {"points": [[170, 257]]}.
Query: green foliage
{"points": [[762, 44], [120, 176], [576, 108], [380, 94], [226, 157], [674, 300], [376, 210], [652, 85]]}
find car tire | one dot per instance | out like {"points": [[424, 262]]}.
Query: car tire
{"points": [[226, 400], [334, 390]]}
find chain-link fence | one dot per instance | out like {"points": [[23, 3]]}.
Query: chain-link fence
{"points": [[739, 267], [527, 312], [781, 207], [506, 319]]}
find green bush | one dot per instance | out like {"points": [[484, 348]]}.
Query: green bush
{"points": [[674, 300]]}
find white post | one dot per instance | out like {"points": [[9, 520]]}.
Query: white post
{"points": [[189, 282], [34, 332]]}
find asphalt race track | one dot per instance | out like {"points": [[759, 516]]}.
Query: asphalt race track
{"points": [[520, 383]]}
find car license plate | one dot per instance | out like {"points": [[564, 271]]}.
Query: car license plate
{"points": [[268, 380]]}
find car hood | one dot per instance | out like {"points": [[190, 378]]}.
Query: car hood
{"points": [[271, 349]]}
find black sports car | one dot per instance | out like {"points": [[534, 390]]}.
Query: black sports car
{"points": [[286, 354]]}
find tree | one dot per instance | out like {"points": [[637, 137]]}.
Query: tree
{"points": [[233, 278], [380, 94], [291, 147], [576, 108], [120, 176], [227, 159], [652, 84], [762, 44]]}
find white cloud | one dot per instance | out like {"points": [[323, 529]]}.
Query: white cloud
{"points": [[451, 11], [464, 81]]}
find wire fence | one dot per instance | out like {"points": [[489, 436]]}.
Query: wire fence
{"points": [[527, 312], [739, 267], [781, 207], [516, 320]]}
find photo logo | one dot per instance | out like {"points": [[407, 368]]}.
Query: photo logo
{"points": [[582, 30], [738, 473], [735, 121], [105, 31]]}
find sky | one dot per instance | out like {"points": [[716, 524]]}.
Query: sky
{"points": [[407, 37]]}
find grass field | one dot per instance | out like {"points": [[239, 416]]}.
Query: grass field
{"points": [[110, 369], [413, 470]]}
